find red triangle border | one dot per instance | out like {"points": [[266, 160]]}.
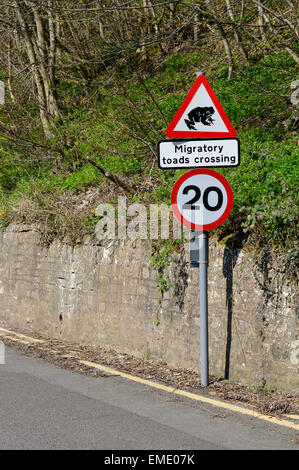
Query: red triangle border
{"points": [[170, 132]]}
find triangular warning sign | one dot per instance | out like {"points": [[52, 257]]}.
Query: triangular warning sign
{"points": [[200, 115]]}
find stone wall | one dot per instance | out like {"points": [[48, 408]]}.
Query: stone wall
{"points": [[108, 296]]}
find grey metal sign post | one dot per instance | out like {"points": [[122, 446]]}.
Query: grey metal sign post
{"points": [[199, 258], [203, 260], [203, 306]]}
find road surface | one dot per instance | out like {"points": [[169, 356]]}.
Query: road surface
{"points": [[42, 407]]}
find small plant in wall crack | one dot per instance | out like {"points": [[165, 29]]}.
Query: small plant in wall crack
{"points": [[161, 258], [147, 356]]}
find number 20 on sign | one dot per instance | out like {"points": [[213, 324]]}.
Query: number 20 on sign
{"points": [[202, 199]]}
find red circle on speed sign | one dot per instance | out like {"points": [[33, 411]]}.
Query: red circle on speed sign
{"points": [[202, 199]]}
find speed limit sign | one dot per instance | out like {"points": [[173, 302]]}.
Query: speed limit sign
{"points": [[202, 199]]}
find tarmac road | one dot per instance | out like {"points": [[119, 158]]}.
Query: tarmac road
{"points": [[42, 407]]}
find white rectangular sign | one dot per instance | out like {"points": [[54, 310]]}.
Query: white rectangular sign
{"points": [[200, 153]]}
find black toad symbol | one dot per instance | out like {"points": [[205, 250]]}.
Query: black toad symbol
{"points": [[202, 115]]}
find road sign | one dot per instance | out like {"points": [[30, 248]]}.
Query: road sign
{"points": [[200, 115], [202, 199], [215, 153]]}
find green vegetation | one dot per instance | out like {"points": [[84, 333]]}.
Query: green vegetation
{"points": [[116, 109], [161, 257]]}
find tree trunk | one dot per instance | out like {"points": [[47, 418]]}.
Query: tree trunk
{"points": [[223, 37], [237, 34], [260, 21], [9, 74], [53, 107], [45, 69], [36, 73], [195, 28]]}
